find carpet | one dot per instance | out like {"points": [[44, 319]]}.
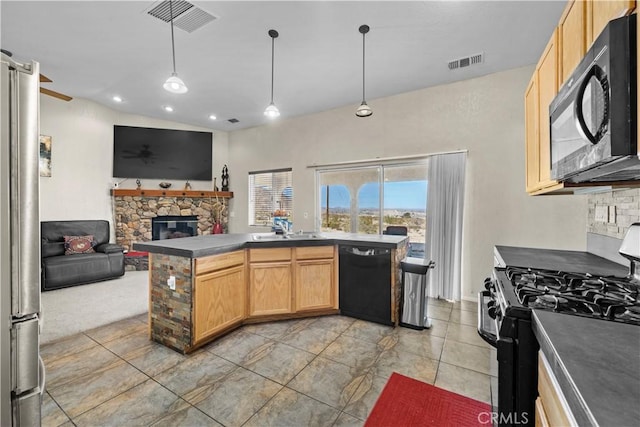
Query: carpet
{"points": [[407, 402]]}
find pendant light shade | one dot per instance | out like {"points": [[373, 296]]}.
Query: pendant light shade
{"points": [[363, 110], [272, 111], [174, 84]]}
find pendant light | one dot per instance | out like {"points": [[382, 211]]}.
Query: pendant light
{"points": [[272, 111], [174, 84], [363, 110]]}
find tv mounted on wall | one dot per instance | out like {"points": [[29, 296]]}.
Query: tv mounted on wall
{"points": [[161, 153]]}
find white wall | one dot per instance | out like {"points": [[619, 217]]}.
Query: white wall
{"points": [[82, 158], [484, 115]]}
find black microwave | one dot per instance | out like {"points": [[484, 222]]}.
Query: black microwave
{"points": [[593, 117]]}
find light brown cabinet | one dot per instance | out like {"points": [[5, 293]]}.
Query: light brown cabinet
{"points": [[219, 296], [540, 92], [599, 13], [551, 406], [315, 278], [270, 281], [580, 23]]}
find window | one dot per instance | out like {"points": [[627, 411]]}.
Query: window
{"points": [[369, 199], [271, 198]]}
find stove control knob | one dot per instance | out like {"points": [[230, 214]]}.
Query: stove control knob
{"points": [[488, 284], [493, 311], [491, 303]]}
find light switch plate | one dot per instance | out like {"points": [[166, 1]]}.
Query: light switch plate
{"points": [[602, 214], [171, 282]]}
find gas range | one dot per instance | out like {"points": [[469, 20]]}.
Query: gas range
{"points": [[608, 298]]}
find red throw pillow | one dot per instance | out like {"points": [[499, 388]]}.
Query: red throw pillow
{"points": [[78, 244]]}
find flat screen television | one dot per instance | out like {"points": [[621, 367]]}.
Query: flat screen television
{"points": [[161, 153]]}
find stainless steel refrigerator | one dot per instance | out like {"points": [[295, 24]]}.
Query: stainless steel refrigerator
{"points": [[22, 374]]}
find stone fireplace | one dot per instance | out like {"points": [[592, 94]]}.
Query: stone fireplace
{"points": [[173, 226], [135, 209]]}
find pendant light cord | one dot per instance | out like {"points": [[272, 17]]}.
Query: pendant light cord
{"points": [[173, 45], [272, 60], [363, 34]]}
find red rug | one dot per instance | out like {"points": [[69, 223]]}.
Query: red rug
{"points": [[408, 402]]}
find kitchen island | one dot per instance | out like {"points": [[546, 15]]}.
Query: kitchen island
{"points": [[205, 286]]}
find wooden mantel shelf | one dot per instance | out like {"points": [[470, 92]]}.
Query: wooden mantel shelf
{"points": [[173, 193]]}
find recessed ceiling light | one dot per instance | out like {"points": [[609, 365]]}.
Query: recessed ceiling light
{"points": [[117, 99], [168, 109], [212, 116]]}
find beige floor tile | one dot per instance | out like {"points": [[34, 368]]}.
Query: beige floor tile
{"points": [[278, 362], [463, 317], [236, 398], [327, 381], [65, 347], [186, 417], [312, 339], [468, 356], [76, 365], [440, 302], [153, 358], [466, 306], [337, 324], [368, 331], [407, 364], [346, 420], [438, 328], [439, 312], [290, 408], [141, 405], [421, 343], [89, 391], [195, 378], [116, 330], [365, 397], [465, 334], [464, 381], [237, 346], [352, 352], [51, 414], [275, 330]]}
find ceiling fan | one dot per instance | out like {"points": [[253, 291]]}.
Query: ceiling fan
{"points": [[44, 79]]}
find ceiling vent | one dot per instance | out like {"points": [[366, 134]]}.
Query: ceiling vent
{"points": [[187, 17], [466, 61], [233, 120]]}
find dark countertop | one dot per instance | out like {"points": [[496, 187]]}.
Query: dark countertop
{"points": [[200, 246], [597, 365], [549, 259]]}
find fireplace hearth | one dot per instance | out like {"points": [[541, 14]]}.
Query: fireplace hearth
{"points": [[173, 227]]}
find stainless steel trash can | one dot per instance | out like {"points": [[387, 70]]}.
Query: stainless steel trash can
{"points": [[414, 309]]}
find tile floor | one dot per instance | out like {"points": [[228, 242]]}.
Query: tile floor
{"points": [[324, 371]]}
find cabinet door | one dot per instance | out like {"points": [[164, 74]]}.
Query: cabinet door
{"points": [[219, 301], [532, 140], [270, 288], [547, 89], [314, 284], [601, 12], [573, 37]]}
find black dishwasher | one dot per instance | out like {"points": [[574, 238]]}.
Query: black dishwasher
{"points": [[365, 283]]}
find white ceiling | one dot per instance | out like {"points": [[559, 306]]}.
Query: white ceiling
{"points": [[95, 50]]}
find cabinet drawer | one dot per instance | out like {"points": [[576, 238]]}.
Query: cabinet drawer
{"points": [[551, 397], [217, 262], [270, 254], [314, 252]]}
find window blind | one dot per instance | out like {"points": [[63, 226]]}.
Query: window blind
{"points": [[270, 195]]}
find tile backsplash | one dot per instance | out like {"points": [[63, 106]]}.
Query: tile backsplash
{"points": [[621, 207]]}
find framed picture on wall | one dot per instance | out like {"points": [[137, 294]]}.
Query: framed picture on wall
{"points": [[45, 155]]}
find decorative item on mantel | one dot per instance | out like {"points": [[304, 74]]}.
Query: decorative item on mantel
{"points": [[138, 184], [165, 185], [215, 187], [218, 206], [187, 186], [225, 178]]}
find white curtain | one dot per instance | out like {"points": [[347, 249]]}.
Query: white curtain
{"points": [[443, 245]]}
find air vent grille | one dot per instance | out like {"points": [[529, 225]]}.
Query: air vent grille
{"points": [[233, 120], [466, 61], [186, 16]]}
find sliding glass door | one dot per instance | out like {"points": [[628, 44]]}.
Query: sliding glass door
{"points": [[370, 199]]}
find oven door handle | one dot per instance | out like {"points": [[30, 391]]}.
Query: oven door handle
{"points": [[486, 325]]}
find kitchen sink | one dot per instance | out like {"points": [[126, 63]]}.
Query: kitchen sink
{"points": [[294, 236]]}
